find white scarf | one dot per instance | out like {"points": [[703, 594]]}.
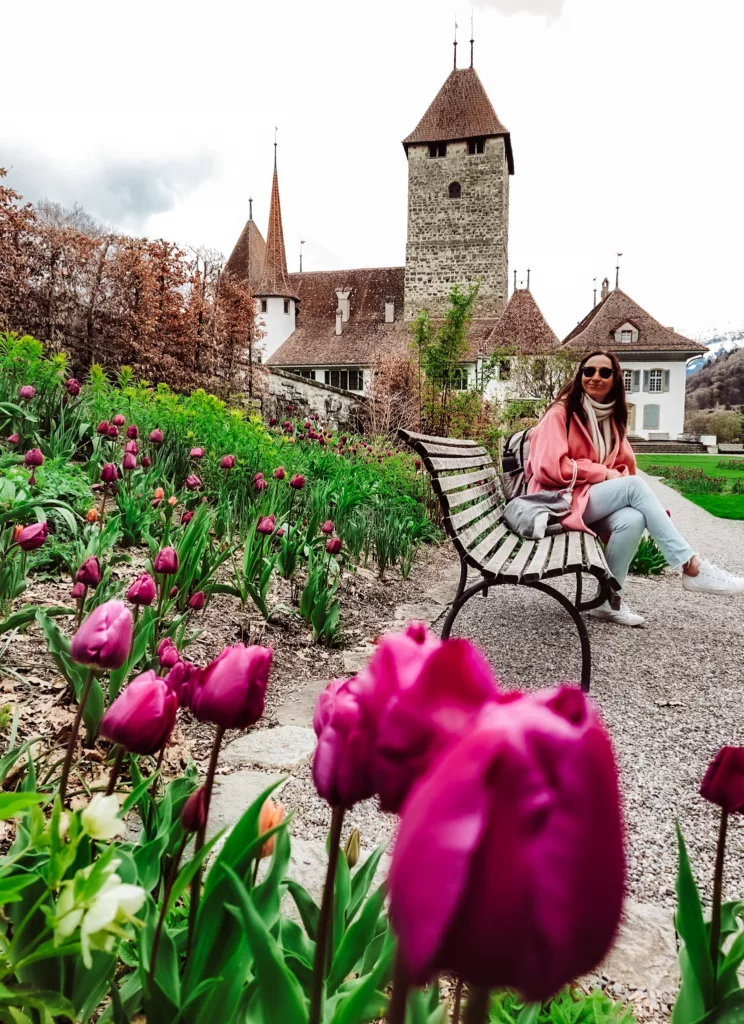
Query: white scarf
{"points": [[599, 420]]}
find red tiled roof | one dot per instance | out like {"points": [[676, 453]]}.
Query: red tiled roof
{"points": [[275, 278], [461, 110], [246, 261], [522, 328], [597, 330]]}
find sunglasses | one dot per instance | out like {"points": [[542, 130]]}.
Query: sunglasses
{"points": [[605, 372]]}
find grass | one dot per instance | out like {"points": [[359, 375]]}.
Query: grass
{"points": [[724, 506], [708, 463]]}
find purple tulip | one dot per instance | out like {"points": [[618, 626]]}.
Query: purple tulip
{"points": [[192, 482], [103, 427], [132, 432], [146, 461], [142, 717], [279, 473], [109, 473], [266, 525], [508, 868], [196, 453], [26, 392], [168, 653], [130, 448], [166, 562], [113, 431], [227, 462], [89, 573], [272, 421], [143, 591], [12, 439], [73, 387], [343, 756], [156, 436], [196, 601], [104, 639], [327, 527], [182, 679], [33, 457], [78, 591], [32, 537], [186, 518], [333, 545], [231, 690], [118, 420], [261, 484], [129, 462], [173, 592], [194, 813], [297, 481], [724, 780]]}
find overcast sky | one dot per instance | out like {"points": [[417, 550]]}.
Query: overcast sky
{"points": [[625, 116]]}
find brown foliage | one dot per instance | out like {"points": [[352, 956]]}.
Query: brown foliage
{"points": [[393, 396], [109, 298]]}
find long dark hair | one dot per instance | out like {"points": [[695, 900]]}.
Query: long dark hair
{"points": [[573, 392]]}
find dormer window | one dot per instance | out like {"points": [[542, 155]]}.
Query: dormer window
{"points": [[455, 190], [476, 146], [437, 149], [626, 334], [286, 306]]}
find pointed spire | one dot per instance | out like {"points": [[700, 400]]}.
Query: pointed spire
{"points": [[275, 279]]}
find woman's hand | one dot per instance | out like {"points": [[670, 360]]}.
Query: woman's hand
{"points": [[612, 474]]}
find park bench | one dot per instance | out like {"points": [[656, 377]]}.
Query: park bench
{"points": [[467, 485]]}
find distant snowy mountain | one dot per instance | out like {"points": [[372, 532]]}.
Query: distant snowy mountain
{"points": [[717, 340]]}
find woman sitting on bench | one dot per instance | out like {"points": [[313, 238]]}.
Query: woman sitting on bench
{"points": [[587, 424]]}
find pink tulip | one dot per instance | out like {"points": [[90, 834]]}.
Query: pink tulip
{"points": [[168, 654], [279, 473], [194, 813], [724, 780], [231, 690], [130, 448], [166, 562], [104, 639], [103, 427], [173, 592], [227, 462], [156, 436], [133, 432], [508, 868], [26, 392], [129, 462], [32, 537], [327, 527], [192, 482], [257, 477], [109, 473], [261, 484], [143, 591], [89, 573], [182, 679], [113, 431], [280, 532], [297, 481], [343, 756], [118, 420], [142, 717], [33, 457], [196, 601], [78, 591], [266, 525], [196, 453], [186, 518], [333, 545], [73, 387], [12, 439]]}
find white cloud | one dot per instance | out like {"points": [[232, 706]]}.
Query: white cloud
{"points": [[543, 8]]}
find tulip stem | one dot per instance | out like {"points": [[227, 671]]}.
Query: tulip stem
{"points": [[476, 1011], [114, 776], [399, 997], [458, 1001], [715, 920], [325, 918], [172, 875], [74, 735], [201, 836]]}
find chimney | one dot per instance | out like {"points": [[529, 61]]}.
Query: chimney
{"points": [[339, 321], [389, 311], [343, 302], [605, 288]]}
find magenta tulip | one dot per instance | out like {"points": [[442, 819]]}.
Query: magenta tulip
{"points": [[508, 868], [343, 756], [89, 573], [105, 637], [143, 591], [724, 780], [297, 481], [13, 438], [261, 484], [103, 427], [118, 420], [196, 453], [192, 483], [327, 527], [133, 432], [156, 436], [279, 473], [146, 461], [130, 448], [109, 473], [272, 421], [142, 717], [194, 813], [196, 601], [257, 477], [166, 562], [168, 653], [78, 591], [26, 392], [173, 592], [32, 537], [33, 457], [73, 387], [231, 690], [113, 431], [186, 518], [280, 532], [182, 679], [333, 546], [308, 425], [266, 525], [227, 462], [129, 462]]}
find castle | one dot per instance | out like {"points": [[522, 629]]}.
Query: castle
{"points": [[333, 326]]}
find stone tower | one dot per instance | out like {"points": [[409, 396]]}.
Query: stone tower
{"points": [[459, 162]]}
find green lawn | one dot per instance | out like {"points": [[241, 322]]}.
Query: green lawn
{"points": [[725, 506]]}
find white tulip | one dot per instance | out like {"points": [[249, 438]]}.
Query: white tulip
{"points": [[100, 819]]}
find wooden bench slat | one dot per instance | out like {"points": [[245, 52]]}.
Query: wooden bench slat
{"points": [[461, 519], [539, 560], [594, 556], [483, 550], [440, 449], [440, 465], [557, 555], [574, 558], [410, 437], [449, 483], [466, 537], [450, 501], [514, 573], [493, 567]]}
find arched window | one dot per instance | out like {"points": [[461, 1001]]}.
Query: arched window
{"points": [[455, 190]]}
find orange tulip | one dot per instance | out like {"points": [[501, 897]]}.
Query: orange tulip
{"points": [[16, 532], [172, 500], [92, 515], [271, 815], [159, 492]]}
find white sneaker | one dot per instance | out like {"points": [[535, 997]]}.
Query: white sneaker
{"points": [[712, 580], [622, 616]]}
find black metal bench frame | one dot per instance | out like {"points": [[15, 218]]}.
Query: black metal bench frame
{"points": [[472, 503]]}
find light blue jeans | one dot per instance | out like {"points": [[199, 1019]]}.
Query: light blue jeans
{"points": [[623, 509]]}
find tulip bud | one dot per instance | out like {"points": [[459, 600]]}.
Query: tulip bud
{"points": [[146, 461], [344, 438], [261, 485], [279, 473], [118, 420], [33, 457], [142, 717], [193, 483], [297, 481], [724, 780], [173, 592], [231, 690], [130, 448], [92, 515], [113, 431], [196, 601], [32, 537], [129, 462], [280, 532], [89, 572], [186, 518], [194, 813], [12, 439], [143, 591], [155, 502], [272, 421], [103, 427], [26, 392], [196, 453], [327, 526], [308, 424], [73, 387], [418, 464], [173, 500], [271, 815], [104, 639], [156, 436], [352, 849], [158, 492], [333, 546], [227, 462], [78, 591], [168, 653], [133, 432], [321, 441], [166, 562], [109, 473], [266, 525], [257, 477]]}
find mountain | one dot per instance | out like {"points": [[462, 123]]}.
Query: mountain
{"points": [[718, 341], [720, 381]]}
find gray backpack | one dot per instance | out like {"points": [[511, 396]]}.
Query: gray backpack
{"points": [[513, 464]]}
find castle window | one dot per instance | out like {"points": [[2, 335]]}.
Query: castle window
{"points": [[437, 149], [504, 364], [286, 305], [455, 190], [347, 380], [626, 337], [460, 379], [264, 304], [476, 146]]}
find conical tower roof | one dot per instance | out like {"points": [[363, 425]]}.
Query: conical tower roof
{"points": [[461, 110], [275, 280], [522, 328], [246, 262]]}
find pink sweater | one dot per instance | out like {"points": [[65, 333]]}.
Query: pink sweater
{"points": [[550, 464]]}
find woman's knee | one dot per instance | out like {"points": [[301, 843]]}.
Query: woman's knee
{"points": [[630, 520]]}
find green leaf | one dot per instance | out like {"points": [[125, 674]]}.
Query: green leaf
{"points": [[12, 886], [730, 1011], [341, 896], [362, 880], [307, 907], [279, 991], [697, 969], [355, 940], [13, 804], [360, 1007], [187, 872], [26, 614], [53, 1003], [7, 762]]}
